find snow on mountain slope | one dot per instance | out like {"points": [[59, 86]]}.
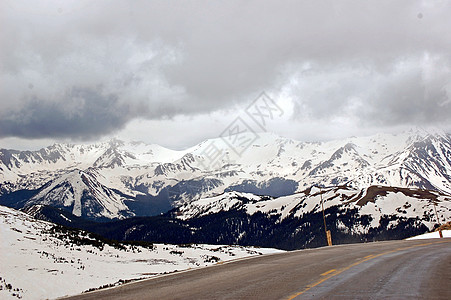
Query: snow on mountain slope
{"points": [[83, 194], [425, 163], [118, 164], [41, 261], [46, 164], [106, 154], [223, 202], [375, 201], [271, 165], [414, 159]]}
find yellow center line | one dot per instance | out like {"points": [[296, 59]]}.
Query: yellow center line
{"points": [[328, 272], [333, 272]]}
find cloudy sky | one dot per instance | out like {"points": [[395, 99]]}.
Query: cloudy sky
{"points": [[178, 72]]}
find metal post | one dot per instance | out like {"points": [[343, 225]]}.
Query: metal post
{"points": [[328, 235], [438, 221]]}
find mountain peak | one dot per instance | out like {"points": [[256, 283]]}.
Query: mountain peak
{"points": [[82, 193], [422, 132], [114, 142]]}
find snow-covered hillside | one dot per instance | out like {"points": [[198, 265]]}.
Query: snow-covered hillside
{"points": [[271, 165], [376, 201], [40, 260]]}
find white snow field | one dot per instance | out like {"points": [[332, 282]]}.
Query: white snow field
{"points": [[37, 263], [431, 235]]}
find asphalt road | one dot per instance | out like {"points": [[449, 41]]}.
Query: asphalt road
{"points": [[382, 270]]}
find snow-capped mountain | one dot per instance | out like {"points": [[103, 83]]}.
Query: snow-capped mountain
{"points": [[83, 195], [148, 179]]}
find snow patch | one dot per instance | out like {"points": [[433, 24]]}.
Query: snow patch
{"points": [[36, 264], [431, 235]]}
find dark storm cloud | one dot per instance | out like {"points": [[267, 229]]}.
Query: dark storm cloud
{"points": [[373, 62], [84, 114]]}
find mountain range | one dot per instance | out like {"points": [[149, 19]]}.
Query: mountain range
{"points": [[252, 189], [117, 180]]}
